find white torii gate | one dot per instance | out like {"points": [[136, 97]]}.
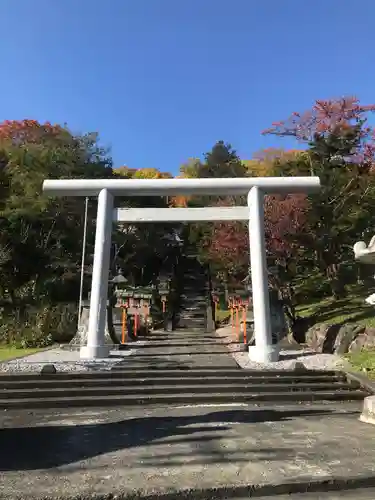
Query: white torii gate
{"points": [[106, 189]]}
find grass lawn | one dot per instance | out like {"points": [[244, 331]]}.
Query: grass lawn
{"points": [[222, 314], [363, 361], [7, 353], [351, 309]]}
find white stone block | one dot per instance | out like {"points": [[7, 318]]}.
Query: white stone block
{"points": [[91, 352], [368, 411], [264, 353]]}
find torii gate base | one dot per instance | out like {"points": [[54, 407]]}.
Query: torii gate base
{"points": [[263, 351]]}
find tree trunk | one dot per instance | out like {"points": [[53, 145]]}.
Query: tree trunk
{"points": [[336, 283]]}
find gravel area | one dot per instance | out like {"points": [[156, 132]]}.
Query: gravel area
{"points": [[64, 360], [288, 357]]}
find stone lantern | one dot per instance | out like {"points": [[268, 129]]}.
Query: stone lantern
{"points": [[215, 294], [144, 296], [119, 282], [164, 288]]}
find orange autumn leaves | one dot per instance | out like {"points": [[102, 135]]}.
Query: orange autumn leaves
{"points": [[29, 131]]}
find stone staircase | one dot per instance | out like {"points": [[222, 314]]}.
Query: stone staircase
{"points": [[137, 386], [195, 295], [177, 368]]}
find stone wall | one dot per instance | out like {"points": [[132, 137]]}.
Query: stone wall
{"points": [[340, 338]]}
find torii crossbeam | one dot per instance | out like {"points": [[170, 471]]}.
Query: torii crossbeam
{"points": [[254, 187]]}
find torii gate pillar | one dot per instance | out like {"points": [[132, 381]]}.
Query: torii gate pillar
{"points": [[96, 347], [263, 351]]}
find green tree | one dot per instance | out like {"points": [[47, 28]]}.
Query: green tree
{"points": [[220, 162], [341, 152], [42, 236]]}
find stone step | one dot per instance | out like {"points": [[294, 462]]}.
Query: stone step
{"points": [[194, 301], [191, 309], [202, 299], [157, 372], [196, 313], [135, 400], [192, 312], [192, 306], [189, 325], [192, 316], [193, 324], [156, 380], [152, 390]]}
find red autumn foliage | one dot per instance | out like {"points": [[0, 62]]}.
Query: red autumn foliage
{"points": [[324, 117], [30, 131], [331, 116], [230, 244], [285, 217]]}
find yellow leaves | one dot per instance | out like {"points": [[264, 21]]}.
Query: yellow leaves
{"points": [[179, 201], [147, 173], [264, 161], [125, 171], [142, 173], [190, 170]]}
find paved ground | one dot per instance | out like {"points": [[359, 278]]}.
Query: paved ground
{"points": [[111, 450], [357, 494], [159, 450], [182, 349]]}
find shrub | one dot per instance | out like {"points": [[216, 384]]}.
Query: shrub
{"points": [[38, 327]]}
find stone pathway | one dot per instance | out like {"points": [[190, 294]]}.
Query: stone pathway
{"points": [[178, 349], [78, 453], [70, 453], [181, 349]]}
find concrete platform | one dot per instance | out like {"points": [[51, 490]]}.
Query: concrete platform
{"points": [[209, 452], [361, 494]]}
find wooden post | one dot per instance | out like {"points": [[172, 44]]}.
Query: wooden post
{"points": [[123, 324], [165, 319], [135, 322], [147, 312], [231, 305], [216, 302], [238, 320], [244, 308]]}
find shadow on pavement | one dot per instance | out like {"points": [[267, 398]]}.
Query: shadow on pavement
{"points": [[296, 355], [49, 446]]}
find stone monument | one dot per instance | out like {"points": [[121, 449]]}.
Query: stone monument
{"points": [[366, 255], [80, 339], [279, 327]]}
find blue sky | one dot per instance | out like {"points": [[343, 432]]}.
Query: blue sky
{"points": [[162, 80]]}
